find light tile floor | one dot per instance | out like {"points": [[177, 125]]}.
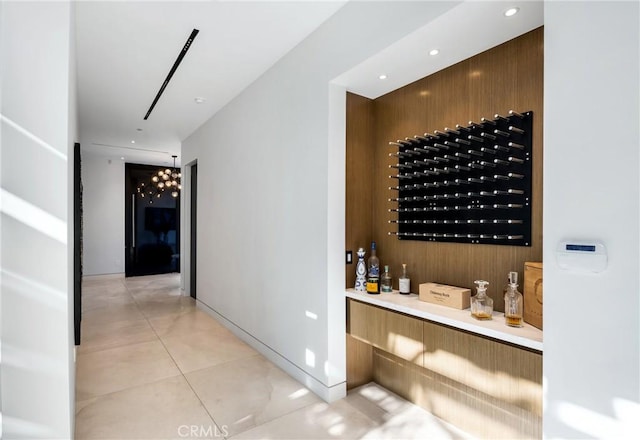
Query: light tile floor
{"points": [[152, 366]]}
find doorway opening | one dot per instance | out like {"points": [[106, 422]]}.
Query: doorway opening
{"points": [[193, 206], [152, 225]]}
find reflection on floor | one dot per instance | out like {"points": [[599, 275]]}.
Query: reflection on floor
{"points": [[152, 366]]}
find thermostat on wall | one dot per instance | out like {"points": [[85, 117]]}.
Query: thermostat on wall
{"points": [[582, 256]]}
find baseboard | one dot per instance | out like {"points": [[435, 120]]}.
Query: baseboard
{"points": [[326, 393], [104, 276]]}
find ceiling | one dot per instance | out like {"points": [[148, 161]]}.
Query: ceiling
{"points": [[460, 33], [126, 49]]}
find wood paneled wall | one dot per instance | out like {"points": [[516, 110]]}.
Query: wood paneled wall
{"points": [[359, 183], [507, 77]]}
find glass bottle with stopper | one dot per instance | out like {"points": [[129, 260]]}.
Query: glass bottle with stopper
{"points": [[373, 271], [385, 281], [481, 304], [513, 302], [404, 281], [512, 277]]}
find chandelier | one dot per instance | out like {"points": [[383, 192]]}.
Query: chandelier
{"points": [[165, 179]]}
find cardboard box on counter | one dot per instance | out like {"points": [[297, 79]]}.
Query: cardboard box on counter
{"points": [[533, 294], [441, 294]]}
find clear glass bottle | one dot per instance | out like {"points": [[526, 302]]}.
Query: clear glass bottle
{"points": [[513, 303], [373, 271], [386, 285], [481, 304], [404, 281]]}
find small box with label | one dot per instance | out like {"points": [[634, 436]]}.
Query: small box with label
{"points": [[444, 295], [533, 294]]}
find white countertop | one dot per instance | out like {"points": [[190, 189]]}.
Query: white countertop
{"points": [[527, 336]]}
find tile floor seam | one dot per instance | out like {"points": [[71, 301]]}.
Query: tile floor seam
{"points": [[119, 345], [355, 420], [156, 334], [224, 363], [202, 404], [125, 389], [80, 355], [275, 418], [182, 373]]}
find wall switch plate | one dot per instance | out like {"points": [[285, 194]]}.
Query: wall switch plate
{"points": [[349, 257]]}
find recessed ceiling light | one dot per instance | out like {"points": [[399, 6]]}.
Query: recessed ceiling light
{"points": [[511, 12], [199, 100], [122, 158], [138, 129], [434, 52], [133, 142], [383, 77]]}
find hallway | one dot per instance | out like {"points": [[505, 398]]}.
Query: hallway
{"points": [[153, 366]]}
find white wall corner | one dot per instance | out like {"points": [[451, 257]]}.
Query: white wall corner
{"points": [[336, 302]]}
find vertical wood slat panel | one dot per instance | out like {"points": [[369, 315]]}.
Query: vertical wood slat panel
{"points": [[391, 332], [477, 413], [359, 167], [506, 77], [359, 362], [507, 373], [488, 388]]}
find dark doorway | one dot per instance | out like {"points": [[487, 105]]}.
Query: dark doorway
{"points": [[77, 243], [194, 227], [152, 224]]}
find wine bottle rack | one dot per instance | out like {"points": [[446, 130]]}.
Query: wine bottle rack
{"points": [[470, 184]]}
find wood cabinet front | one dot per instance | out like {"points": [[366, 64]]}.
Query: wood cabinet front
{"points": [[392, 332], [488, 388]]}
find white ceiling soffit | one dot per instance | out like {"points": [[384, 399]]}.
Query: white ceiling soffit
{"points": [[126, 49], [462, 32], [131, 154]]}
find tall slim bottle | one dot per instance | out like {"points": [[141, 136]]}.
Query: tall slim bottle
{"points": [[386, 285], [361, 272], [373, 271], [404, 281]]}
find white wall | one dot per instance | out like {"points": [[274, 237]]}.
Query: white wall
{"points": [[591, 191], [264, 235], [103, 214], [37, 371], [1, 125]]}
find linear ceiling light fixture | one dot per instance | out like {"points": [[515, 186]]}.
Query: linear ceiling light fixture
{"points": [[183, 52]]}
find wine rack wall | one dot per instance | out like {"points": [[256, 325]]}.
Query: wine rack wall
{"points": [[471, 184]]}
